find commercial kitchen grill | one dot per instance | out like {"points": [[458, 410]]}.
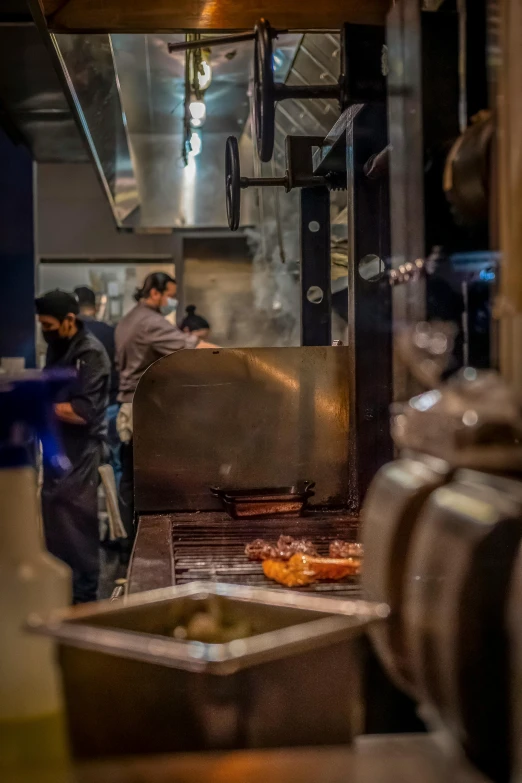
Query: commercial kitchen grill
{"points": [[245, 418], [211, 546]]}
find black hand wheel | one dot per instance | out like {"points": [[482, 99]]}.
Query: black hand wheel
{"points": [[233, 183], [264, 91]]}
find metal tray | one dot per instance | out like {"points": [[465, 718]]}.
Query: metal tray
{"points": [[275, 501], [130, 688]]}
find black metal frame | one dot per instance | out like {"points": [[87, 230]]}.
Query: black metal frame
{"points": [[316, 311], [356, 142], [369, 301]]}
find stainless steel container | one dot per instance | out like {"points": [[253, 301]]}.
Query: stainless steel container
{"points": [[389, 518], [456, 598], [132, 688]]}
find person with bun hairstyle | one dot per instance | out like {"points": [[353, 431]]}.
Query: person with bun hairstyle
{"points": [[195, 324], [143, 336]]}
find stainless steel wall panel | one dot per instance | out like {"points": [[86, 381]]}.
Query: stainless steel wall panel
{"points": [[261, 417]]}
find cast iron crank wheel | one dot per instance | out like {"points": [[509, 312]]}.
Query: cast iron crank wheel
{"points": [[233, 183], [264, 91]]}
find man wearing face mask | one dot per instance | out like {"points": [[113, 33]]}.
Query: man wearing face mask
{"points": [[70, 502], [143, 336]]}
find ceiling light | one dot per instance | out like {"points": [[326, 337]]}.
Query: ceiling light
{"points": [[204, 78], [277, 59], [195, 145], [198, 110]]}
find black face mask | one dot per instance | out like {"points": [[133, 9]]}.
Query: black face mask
{"points": [[55, 341]]}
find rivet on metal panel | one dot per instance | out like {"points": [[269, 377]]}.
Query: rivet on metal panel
{"points": [[315, 294]]}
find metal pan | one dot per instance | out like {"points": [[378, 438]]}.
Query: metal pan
{"points": [[131, 688], [275, 501]]}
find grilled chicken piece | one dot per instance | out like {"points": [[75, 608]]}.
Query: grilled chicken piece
{"points": [[345, 549], [282, 571], [305, 570]]}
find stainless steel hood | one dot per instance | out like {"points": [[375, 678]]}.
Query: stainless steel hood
{"points": [[151, 80], [33, 107], [126, 92], [152, 94]]}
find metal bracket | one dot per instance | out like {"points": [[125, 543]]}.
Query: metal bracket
{"points": [[299, 173], [361, 79]]}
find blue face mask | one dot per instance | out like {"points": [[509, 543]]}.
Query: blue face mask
{"points": [[170, 307]]}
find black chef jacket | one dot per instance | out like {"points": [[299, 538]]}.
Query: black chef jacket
{"points": [[105, 334], [69, 502], [88, 394]]}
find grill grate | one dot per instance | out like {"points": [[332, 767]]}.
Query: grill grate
{"points": [[210, 546]]}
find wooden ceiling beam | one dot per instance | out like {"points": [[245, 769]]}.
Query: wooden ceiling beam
{"points": [[164, 16]]}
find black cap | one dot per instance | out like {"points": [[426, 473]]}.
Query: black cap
{"points": [[86, 296], [57, 303]]}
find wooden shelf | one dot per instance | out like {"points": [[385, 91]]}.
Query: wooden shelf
{"points": [[147, 16]]}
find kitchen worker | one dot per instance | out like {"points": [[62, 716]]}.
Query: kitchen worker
{"points": [[193, 323], [143, 336], [104, 332], [70, 501]]}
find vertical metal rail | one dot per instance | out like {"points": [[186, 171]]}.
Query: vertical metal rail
{"points": [[369, 303], [316, 295]]}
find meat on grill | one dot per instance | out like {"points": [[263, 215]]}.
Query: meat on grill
{"points": [[260, 550], [284, 549], [303, 569], [345, 549]]}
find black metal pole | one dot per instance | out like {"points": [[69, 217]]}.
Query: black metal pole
{"points": [[223, 40], [316, 296], [208, 43], [263, 182], [369, 302]]}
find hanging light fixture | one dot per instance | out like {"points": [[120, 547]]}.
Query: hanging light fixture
{"points": [[198, 113], [196, 144], [204, 75]]}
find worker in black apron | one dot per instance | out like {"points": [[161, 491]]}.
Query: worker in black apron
{"points": [[70, 501]]}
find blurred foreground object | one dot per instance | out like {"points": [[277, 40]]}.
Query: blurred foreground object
{"points": [[32, 729]]}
